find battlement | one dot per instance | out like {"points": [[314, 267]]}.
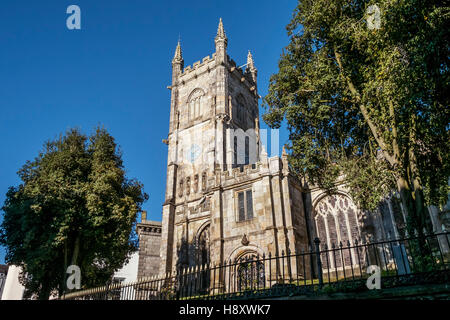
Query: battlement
{"points": [[148, 226], [242, 170], [235, 68], [197, 65]]}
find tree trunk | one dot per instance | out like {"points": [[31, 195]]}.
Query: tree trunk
{"points": [[62, 289], [76, 251], [412, 200]]}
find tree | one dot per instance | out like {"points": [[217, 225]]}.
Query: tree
{"points": [[368, 103], [74, 207]]}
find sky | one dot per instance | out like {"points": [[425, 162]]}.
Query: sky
{"points": [[115, 71]]}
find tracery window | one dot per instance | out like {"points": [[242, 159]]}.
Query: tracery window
{"points": [[241, 109], [195, 103], [337, 223]]}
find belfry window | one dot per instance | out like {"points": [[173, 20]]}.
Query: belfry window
{"points": [[235, 152], [247, 150], [195, 103], [245, 205]]}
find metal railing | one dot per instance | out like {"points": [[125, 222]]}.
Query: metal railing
{"points": [[2, 283], [412, 260]]}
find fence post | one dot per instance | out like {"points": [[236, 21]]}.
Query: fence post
{"points": [[319, 262]]}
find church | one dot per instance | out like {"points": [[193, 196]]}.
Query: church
{"points": [[225, 198]]}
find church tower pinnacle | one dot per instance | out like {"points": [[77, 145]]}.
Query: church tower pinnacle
{"points": [[251, 67], [177, 63], [221, 41]]}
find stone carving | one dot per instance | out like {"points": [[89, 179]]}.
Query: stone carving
{"points": [[244, 240]]}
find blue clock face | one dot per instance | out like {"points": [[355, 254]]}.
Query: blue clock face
{"points": [[193, 153]]}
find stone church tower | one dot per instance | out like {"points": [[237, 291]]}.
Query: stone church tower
{"points": [[225, 199]]}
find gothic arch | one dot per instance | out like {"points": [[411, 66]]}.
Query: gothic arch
{"points": [[241, 251], [336, 221], [195, 103], [202, 244], [248, 271], [197, 92], [241, 108]]}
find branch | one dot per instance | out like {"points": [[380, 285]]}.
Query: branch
{"points": [[394, 132], [364, 111]]}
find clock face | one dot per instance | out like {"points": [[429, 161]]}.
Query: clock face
{"points": [[193, 153]]}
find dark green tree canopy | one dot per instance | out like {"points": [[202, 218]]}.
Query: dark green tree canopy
{"points": [[370, 104], [74, 206]]}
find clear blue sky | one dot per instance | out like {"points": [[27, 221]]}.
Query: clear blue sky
{"points": [[114, 72]]}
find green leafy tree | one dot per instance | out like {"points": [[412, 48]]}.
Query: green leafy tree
{"points": [[368, 103], [74, 207]]}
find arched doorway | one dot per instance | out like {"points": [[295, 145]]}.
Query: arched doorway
{"points": [[249, 272], [203, 258]]}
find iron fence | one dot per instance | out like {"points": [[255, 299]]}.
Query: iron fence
{"points": [[2, 283], [324, 266]]}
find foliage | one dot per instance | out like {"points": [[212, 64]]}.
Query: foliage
{"points": [[370, 105], [74, 206]]}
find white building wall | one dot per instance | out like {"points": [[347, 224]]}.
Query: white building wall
{"points": [[13, 290], [130, 270]]}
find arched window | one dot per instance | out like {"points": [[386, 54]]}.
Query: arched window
{"points": [[337, 222], [235, 152], [204, 181], [241, 109], [203, 258], [195, 101], [247, 150], [203, 246]]}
